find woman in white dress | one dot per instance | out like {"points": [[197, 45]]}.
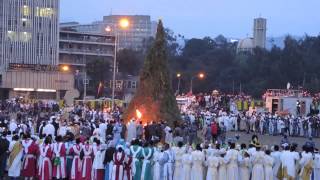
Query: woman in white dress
{"points": [[257, 162], [198, 159], [268, 164], [212, 163], [178, 153], [244, 166], [186, 164], [222, 172]]}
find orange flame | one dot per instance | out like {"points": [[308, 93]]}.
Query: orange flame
{"points": [[138, 113]]}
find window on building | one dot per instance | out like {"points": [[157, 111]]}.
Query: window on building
{"points": [[25, 36], [44, 12], [134, 84], [12, 36], [25, 10]]}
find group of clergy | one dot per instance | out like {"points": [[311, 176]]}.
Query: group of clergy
{"points": [[89, 159]]}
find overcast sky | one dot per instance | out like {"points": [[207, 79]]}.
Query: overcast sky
{"points": [[198, 18]]}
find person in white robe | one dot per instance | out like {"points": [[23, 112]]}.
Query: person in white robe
{"points": [[132, 130], [198, 159], [186, 164], [306, 163], [14, 159], [268, 164], [316, 165], [222, 171], [277, 162], [156, 164], [257, 163], [97, 165], [288, 162], [244, 166], [62, 131], [168, 166], [212, 163], [178, 153], [49, 130], [231, 160]]}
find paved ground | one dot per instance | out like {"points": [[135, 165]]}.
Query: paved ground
{"points": [[271, 140]]}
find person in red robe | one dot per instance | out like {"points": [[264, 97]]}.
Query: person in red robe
{"points": [[118, 169], [45, 168], [87, 161], [76, 167], [29, 164], [59, 161]]}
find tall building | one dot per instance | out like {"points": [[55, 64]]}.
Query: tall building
{"points": [[29, 33], [139, 29], [260, 32], [247, 45], [77, 49]]}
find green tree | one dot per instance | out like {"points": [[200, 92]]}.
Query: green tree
{"points": [[154, 97]]}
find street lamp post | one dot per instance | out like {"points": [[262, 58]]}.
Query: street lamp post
{"points": [[123, 24], [200, 76], [179, 79]]}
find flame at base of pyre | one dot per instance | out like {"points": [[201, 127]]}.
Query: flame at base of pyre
{"points": [[146, 112]]}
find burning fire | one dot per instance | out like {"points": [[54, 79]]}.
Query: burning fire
{"points": [[138, 113]]}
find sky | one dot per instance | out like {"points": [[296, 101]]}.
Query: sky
{"points": [[199, 18]]}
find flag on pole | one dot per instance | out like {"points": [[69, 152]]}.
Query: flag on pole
{"points": [[100, 89]]}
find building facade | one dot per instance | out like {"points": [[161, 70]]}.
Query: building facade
{"points": [[76, 49], [29, 64], [140, 29], [29, 32]]}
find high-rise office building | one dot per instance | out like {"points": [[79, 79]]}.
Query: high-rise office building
{"points": [[29, 34], [260, 32], [140, 28]]}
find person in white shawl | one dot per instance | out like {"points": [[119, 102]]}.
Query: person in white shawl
{"points": [[178, 153], [222, 171], [132, 130], [97, 165], [244, 166], [268, 164], [212, 163], [14, 160], [231, 160], [316, 165], [156, 160], [288, 161], [306, 163], [198, 159], [276, 159], [186, 164], [257, 162]]}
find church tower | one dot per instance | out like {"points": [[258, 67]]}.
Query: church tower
{"points": [[259, 32]]}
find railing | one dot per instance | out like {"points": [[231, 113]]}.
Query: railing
{"points": [[84, 51]]}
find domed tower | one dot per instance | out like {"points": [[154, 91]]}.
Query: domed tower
{"points": [[260, 32]]}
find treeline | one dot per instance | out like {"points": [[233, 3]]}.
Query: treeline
{"points": [[225, 70]]}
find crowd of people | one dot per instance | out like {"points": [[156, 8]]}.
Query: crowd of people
{"points": [[204, 107], [42, 141]]}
